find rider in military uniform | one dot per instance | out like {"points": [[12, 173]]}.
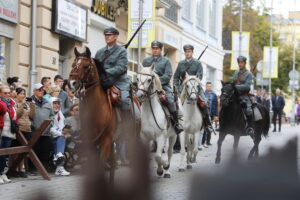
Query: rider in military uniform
{"points": [[115, 66], [243, 80], [163, 69], [193, 67]]}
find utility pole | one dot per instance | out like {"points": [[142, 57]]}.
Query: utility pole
{"points": [[270, 60], [141, 2], [241, 28]]}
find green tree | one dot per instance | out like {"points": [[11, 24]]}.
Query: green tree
{"points": [[255, 21]]}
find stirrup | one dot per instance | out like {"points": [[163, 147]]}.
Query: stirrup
{"points": [[178, 128], [250, 131]]}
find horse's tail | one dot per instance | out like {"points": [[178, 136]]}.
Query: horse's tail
{"points": [[266, 119]]}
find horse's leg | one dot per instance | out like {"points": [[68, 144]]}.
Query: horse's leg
{"points": [[236, 142], [158, 156], [220, 141], [172, 141], [195, 146], [189, 142], [112, 165], [182, 151]]}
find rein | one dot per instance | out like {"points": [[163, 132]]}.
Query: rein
{"points": [[188, 95]]}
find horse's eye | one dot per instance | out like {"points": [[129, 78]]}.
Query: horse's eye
{"points": [[149, 80], [187, 86]]}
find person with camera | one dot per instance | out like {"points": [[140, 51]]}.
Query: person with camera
{"points": [[59, 132], [25, 109], [7, 126]]}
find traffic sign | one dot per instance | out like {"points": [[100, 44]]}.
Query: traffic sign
{"points": [[259, 65], [294, 74]]}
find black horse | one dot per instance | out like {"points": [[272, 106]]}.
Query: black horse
{"points": [[232, 121]]}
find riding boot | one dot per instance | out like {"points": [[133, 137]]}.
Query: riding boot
{"points": [[178, 128], [249, 127]]}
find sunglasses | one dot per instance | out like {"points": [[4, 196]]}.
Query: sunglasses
{"points": [[6, 93]]}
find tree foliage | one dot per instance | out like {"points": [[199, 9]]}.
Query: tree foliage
{"points": [[255, 21]]}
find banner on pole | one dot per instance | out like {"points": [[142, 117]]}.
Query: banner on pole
{"points": [[244, 48], [148, 30], [273, 72]]}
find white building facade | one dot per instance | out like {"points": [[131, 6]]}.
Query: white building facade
{"points": [[201, 22]]}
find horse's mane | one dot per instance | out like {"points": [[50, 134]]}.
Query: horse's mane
{"points": [[183, 93], [157, 84]]}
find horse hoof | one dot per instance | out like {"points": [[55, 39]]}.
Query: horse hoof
{"points": [[167, 176], [181, 170], [167, 167], [218, 160], [189, 167], [159, 173]]}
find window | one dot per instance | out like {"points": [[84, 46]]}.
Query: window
{"points": [[172, 12], [213, 18], [200, 13], [210, 75], [186, 10], [4, 58], [132, 63]]}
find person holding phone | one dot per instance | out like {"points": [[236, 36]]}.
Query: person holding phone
{"points": [[59, 132], [25, 109]]}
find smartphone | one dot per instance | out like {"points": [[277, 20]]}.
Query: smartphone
{"points": [[29, 99]]}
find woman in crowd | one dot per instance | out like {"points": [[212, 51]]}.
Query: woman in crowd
{"points": [[7, 121], [13, 83], [25, 111]]}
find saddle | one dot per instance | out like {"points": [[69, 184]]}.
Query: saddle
{"points": [[114, 94], [163, 97]]}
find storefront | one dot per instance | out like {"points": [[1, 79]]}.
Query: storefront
{"points": [[8, 20], [69, 21]]}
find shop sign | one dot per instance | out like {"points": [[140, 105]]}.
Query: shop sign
{"points": [[102, 8], [9, 10], [69, 19]]}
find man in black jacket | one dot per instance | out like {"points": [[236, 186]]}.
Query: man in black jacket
{"points": [[278, 104]]}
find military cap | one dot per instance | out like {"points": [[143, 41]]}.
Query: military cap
{"points": [[242, 58], [157, 43], [111, 31], [188, 46]]}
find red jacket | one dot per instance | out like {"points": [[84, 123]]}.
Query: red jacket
{"points": [[4, 109]]}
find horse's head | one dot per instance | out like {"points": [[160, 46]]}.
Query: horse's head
{"points": [[227, 93], [191, 87], [148, 81], [84, 71]]}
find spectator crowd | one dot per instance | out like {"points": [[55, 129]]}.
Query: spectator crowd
{"points": [[21, 113]]}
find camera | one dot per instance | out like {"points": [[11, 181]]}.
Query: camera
{"points": [[29, 99]]}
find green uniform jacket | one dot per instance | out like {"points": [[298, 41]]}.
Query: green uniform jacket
{"points": [[115, 67], [192, 67], [243, 86], [162, 67]]}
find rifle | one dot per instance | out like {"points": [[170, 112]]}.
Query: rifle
{"points": [[203, 52], [166, 53], [133, 36]]}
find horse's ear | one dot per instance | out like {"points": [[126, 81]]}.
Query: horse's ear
{"points": [[152, 67], [88, 52], [186, 75], [76, 52]]}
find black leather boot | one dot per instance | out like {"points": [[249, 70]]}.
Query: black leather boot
{"points": [[178, 128], [250, 127]]}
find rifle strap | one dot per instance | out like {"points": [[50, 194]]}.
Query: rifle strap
{"points": [[240, 77], [109, 54]]}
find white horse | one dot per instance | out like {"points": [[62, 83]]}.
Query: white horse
{"points": [[193, 121], [155, 124]]}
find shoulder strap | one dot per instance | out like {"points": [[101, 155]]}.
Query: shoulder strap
{"points": [[109, 54], [240, 77]]}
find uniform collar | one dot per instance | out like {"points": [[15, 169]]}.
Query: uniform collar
{"points": [[156, 58], [112, 48]]}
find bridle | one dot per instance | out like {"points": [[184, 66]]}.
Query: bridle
{"points": [[83, 84], [227, 97], [147, 92], [193, 90]]}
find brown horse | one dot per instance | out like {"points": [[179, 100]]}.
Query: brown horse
{"points": [[97, 115]]}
